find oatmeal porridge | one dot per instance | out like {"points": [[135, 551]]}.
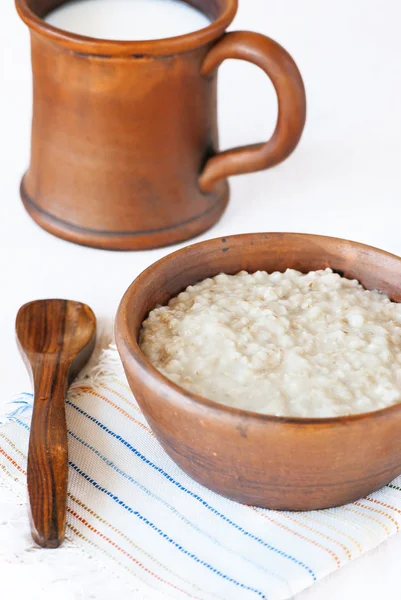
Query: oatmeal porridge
{"points": [[285, 344]]}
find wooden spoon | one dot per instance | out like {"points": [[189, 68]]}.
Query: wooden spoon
{"points": [[56, 338]]}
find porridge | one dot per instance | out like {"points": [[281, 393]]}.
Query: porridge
{"points": [[285, 344]]}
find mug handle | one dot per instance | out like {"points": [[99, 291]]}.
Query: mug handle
{"points": [[286, 78]]}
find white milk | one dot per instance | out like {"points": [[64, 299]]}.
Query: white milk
{"points": [[128, 19]]}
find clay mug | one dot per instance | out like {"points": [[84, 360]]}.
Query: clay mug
{"points": [[125, 150]]}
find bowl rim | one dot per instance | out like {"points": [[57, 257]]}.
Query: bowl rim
{"points": [[130, 351]]}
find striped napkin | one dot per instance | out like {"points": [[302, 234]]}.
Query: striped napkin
{"points": [[134, 510]]}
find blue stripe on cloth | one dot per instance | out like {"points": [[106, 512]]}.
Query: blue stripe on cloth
{"points": [[24, 425], [163, 534], [20, 406], [192, 494], [109, 463]]}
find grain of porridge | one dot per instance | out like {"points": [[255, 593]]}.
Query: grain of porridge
{"points": [[285, 344]]}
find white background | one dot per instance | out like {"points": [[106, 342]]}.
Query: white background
{"points": [[343, 180]]}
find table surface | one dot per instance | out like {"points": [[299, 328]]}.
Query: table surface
{"points": [[344, 180]]}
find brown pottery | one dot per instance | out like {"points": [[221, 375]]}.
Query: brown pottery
{"points": [[274, 462], [125, 151]]}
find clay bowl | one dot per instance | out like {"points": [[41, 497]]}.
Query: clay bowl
{"points": [[273, 462]]}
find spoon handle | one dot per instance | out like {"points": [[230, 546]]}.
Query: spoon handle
{"points": [[48, 452]]}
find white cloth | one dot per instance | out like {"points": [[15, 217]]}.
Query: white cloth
{"points": [[133, 509]]}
